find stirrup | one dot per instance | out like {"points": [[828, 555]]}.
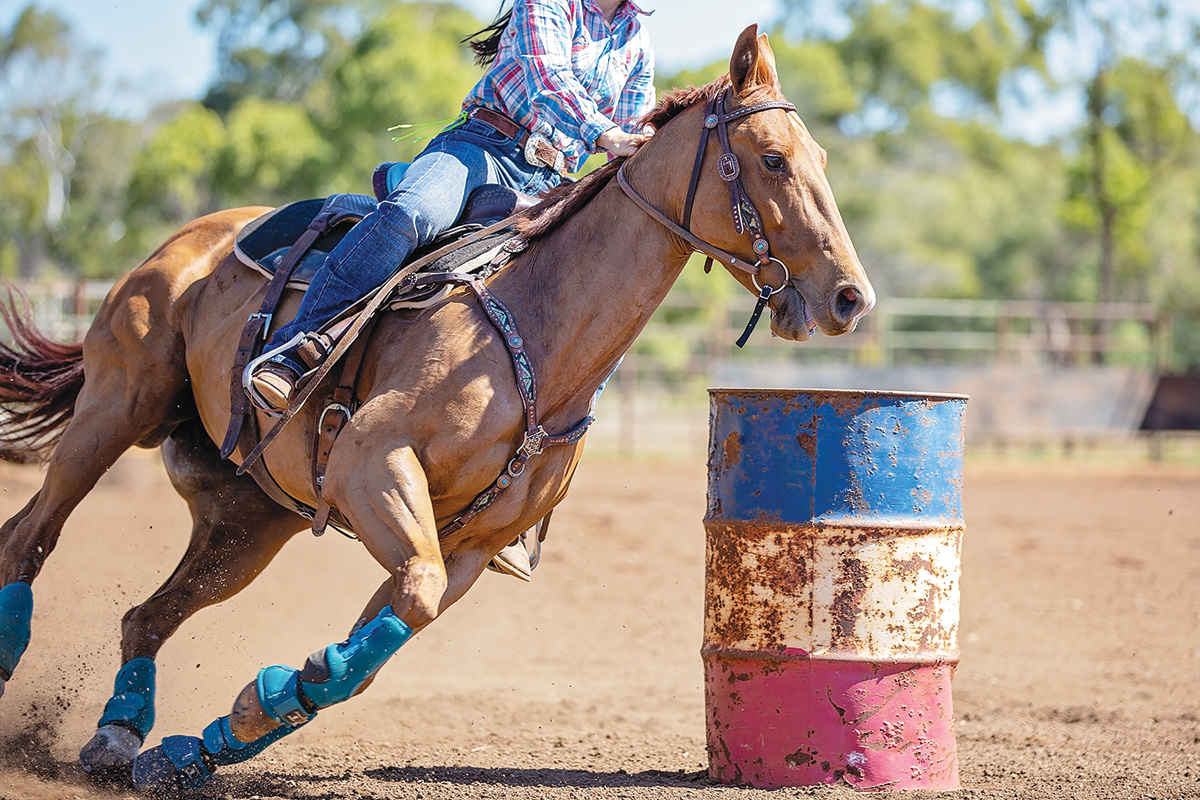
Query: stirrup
{"points": [[517, 559], [309, 349]]}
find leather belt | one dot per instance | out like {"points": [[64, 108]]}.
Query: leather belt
{"points": [[538, 150]]}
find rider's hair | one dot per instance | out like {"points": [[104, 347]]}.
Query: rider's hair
{"points": [[485, 43]]}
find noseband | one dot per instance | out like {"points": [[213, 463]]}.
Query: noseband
{"points": [[746, 218]]}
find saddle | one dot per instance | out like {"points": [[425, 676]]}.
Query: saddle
{"points": [[290, 243], [266, 241]]}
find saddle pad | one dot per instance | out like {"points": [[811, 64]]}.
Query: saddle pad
{"points": [[263, 243]]}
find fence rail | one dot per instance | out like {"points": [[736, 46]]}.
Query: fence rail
{"points": [[658, 397], [690, 331]]}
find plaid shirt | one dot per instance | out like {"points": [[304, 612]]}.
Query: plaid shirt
{"points": [[564, 72]]}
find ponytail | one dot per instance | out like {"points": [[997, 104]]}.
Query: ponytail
{"points": [[485, 43]]}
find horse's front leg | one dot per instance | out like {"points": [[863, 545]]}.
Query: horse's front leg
{"points": [[393, 515], [236, 531]]}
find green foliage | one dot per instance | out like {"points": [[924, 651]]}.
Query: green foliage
{"points": [[406, 68], [59, 208], [814, 77], [175, 172], [908, 97], [272, 153], [276, 49]]}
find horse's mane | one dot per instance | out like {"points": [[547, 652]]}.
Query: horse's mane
{"points": [[571, 197]]}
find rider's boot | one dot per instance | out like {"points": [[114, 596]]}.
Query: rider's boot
{"points": [[520, 557], [272, 379]]}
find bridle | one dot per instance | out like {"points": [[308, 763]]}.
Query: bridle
{"points": [[746, 218]]}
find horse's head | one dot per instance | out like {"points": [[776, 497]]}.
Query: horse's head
{"points": [[779, 173]]}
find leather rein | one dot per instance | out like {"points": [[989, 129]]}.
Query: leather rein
{"points": [[746, 218]]}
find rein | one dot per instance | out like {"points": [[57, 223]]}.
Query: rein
{"points": [[746, 218]]}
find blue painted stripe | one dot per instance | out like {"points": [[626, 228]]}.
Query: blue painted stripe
{"points": [[836, 457]]}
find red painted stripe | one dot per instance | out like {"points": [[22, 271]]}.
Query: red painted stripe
{"points": [[802, 722]]}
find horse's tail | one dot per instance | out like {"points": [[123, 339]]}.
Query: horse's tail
{"points": [[40, 380]]}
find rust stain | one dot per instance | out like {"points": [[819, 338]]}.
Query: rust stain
{"points": [[807, 439], [731, 450], [800, 758], [846, 604], [744, 561]]}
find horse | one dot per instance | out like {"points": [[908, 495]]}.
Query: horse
{"points": [[439, 414]]}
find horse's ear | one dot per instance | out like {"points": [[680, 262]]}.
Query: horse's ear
{"points": [[753, 63], [766, 62]]}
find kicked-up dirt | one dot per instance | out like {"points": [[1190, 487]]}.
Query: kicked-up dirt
{"points": [[1080, 638]]}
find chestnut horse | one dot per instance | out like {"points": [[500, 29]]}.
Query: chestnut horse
{"points": [[440, 415]]}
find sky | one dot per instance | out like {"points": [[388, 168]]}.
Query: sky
{"points": [[159, 52]]}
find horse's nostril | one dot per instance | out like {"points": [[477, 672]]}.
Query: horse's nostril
{"points": [[848, 304]]}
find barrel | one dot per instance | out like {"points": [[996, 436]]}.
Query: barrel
{"points": [[834, 532]]}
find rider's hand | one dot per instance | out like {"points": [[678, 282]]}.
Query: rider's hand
{"points": [[620, 143]]}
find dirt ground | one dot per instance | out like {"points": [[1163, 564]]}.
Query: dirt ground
{"points": [[1079, 677]]}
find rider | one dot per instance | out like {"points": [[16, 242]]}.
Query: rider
{"points": [[565, 78]]}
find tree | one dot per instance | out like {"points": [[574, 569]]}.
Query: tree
{"points": [[407, 66], [63, 162], [278, 49], [1140, 62], [906, 56], [46, 80]]}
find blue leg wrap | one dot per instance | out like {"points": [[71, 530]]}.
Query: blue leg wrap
{"points": [[279, 696], [16, 615], [334, 674], [177, 763], [185, 762], [132, 703], [224, 748], [289, 696]]}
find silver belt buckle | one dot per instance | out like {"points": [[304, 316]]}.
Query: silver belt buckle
{"points": [[532, 157]]}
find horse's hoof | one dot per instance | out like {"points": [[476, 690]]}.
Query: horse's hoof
{"points": [[112, 748], [2, 682], [174, 764]]}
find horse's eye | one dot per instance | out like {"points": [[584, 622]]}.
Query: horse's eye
{"points": [[774, 163]]}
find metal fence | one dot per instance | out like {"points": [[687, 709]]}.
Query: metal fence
{"points": [[657, 401], [63, 309]]}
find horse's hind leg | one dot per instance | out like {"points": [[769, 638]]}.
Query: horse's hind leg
{"points": [[236, 531], [134, 380]]}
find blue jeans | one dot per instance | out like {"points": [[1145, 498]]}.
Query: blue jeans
{"points": [[428, 200]]}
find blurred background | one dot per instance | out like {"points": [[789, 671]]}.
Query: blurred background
{"points": [[1020, 178]]}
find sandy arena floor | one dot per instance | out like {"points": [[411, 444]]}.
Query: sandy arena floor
{"points": [[1080, 636]]}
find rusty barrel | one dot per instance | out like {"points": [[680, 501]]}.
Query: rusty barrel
{"points": [[834, 529]]}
